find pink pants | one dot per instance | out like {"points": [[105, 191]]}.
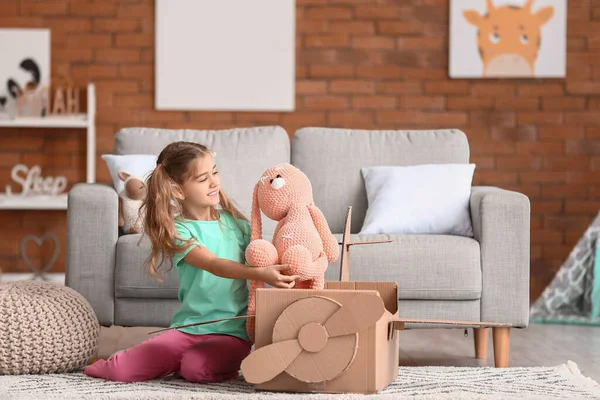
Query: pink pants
{"points": [[196, 358]]}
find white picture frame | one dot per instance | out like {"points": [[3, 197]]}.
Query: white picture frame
{"points": [[226, 55], [471, 30], [24, 59]]}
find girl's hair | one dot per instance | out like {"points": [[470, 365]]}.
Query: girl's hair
{"points": [[174, 166]]}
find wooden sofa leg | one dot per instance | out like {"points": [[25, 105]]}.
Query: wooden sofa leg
{"points": [[501, 338], [481, 342]]}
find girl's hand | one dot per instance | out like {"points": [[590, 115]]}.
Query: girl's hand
{"points": [[272, 276]]}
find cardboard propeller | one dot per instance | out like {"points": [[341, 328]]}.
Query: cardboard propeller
{"points": [[315, 339]]}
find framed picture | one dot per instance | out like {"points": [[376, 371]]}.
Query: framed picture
{"points": [[24, 63], [508, 38], [234, 55]]}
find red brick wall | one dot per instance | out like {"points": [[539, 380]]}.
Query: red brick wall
{"points": [[360, 63]]}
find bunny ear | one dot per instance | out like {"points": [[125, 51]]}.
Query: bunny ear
{"points": [[255, 216], [123, 175]]}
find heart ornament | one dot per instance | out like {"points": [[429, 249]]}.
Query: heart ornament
{"points": [[39, 272]]}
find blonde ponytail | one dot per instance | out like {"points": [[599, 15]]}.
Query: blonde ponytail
{"points": [[159, 222]]}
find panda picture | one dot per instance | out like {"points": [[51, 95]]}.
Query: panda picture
{"points": [[24, 63]]}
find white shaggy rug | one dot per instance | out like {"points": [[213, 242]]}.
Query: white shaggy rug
{"points": [[416, 383]]}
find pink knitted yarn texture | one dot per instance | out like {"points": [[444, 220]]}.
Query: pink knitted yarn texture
{"points": [[302, 238]]}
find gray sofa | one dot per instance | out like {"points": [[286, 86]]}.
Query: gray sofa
{"points": [[484, 278]]}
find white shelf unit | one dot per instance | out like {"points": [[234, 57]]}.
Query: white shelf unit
{"points": [[52, 121], [87, 121], [33, 202]]}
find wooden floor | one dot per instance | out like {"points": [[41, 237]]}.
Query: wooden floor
{"points": [[538, 345]]}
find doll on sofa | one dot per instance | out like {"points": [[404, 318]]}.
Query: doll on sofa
{"points": [[130, 201], [302, 238]]}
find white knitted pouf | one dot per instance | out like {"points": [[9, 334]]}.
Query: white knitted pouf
{"points": [[45, 328]]}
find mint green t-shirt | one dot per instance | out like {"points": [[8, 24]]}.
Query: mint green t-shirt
{"points": [[205, 296]]}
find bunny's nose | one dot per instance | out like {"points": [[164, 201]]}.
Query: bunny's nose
{"points": [[278, 183]]}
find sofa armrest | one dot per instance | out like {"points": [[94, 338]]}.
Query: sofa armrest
{"points": [[92, 234], [501, 225]]}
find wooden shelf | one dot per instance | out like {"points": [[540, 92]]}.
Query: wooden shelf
{"points": [[16, 202], [67, 121]]}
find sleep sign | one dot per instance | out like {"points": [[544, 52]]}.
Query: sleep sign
{"points": [[32, 182]]}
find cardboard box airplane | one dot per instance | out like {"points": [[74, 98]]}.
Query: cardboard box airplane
{"points": [[341, 339]]}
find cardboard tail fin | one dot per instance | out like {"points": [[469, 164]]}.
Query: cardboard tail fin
{"points": [[346, 243]]}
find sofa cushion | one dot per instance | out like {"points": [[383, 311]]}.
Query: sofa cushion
{"points": [[426, 267], [131, 275], [332, 160], [242, 154], [138, 165], [421, 199]]}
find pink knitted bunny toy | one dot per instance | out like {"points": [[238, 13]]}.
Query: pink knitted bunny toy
{"points": [[302, 238]]}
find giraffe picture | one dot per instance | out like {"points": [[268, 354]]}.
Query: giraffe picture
{"points": [[507, 39]]}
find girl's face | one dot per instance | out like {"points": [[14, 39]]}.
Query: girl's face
{"points": [[201, 190]]}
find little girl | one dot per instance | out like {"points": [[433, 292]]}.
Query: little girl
{"points": [[206, 246]]}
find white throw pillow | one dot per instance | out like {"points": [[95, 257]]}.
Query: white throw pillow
{"points": [[135, 164], [428, 198]]}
